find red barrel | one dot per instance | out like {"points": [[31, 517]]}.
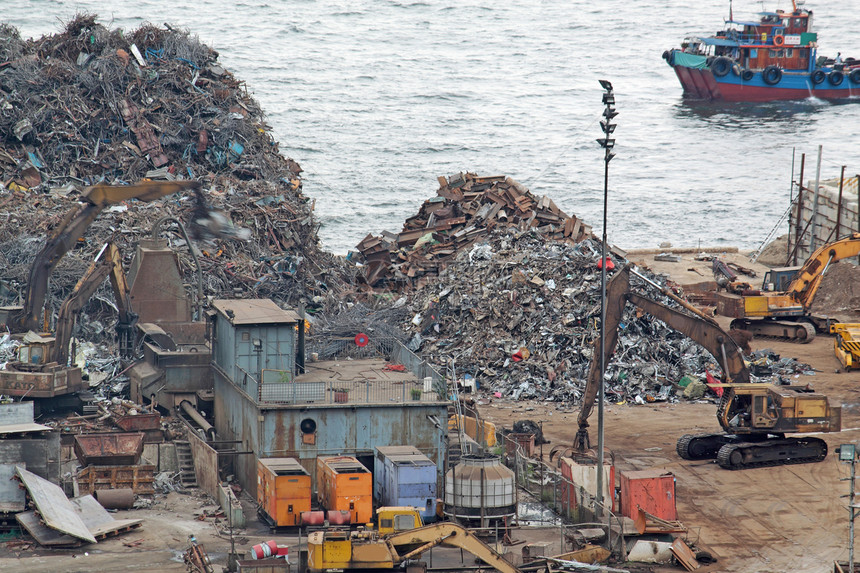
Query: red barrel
{"points": [[264, 550], [313, 517], [339, 517]]}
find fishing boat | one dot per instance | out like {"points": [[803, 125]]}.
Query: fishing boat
{"points": [[775, 58]]}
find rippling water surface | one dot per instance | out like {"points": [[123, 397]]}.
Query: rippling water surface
{"points": [[375, 99]]}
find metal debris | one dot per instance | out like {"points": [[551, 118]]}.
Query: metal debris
{"points": [[92, 104]]}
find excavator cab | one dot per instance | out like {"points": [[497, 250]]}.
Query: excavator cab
{"points": [[778, 279], [764, 411]]}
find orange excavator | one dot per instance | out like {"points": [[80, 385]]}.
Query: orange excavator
{"points": [[66, 235], [755, 418]]}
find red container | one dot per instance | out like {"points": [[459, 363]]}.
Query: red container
{"points": [[312, 518], [336, 517], [652, 490]]}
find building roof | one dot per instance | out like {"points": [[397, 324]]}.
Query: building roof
{"points": [[254, 311], [403, 455], [284, 466]]}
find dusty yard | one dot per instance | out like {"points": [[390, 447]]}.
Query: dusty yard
{"points": [[766, 520]]}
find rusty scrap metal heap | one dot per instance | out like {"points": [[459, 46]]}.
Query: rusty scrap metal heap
{"points": [[465, 209], [91, 105], [519, 312]]}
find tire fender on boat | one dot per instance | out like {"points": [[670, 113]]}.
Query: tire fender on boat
{"points": [[817, 76], [854, 76], [747, 75], [721, 66], [835, 78], [771, 75]]}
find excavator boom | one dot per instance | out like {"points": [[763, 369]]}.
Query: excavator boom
{"points": [[72, 227], [450, 535], [97, 272], [705, 332], [808, 278]]}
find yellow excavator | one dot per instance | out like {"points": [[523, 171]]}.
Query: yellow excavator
{"points": [[786, 314], [400, 539], [755, 417]]}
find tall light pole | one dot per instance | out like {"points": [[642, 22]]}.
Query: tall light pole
{"points": [[607, 144]]}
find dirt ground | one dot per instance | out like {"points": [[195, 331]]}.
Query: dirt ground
{"points": [[766, 520]]}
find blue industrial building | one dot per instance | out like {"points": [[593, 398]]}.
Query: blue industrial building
{"points": [[350, 396]]}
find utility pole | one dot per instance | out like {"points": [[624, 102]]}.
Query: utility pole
{"points": [[848, 454], [607, 144]]}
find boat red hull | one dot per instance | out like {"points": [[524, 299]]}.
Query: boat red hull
{"points": [[701, 84]]}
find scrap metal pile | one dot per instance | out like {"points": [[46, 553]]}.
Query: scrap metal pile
{"points": [[465, 209], [520, 313], [93, 105]]}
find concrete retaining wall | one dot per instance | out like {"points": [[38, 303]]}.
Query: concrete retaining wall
{"points": [[827, 214]]}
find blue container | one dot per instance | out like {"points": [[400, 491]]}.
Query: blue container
{"points": [[403, 476]]}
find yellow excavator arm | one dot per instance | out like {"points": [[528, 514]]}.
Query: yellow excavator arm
{"points": [[419, 540], [808, 278]]}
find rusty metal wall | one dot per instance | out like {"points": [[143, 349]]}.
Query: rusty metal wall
{"points": [[156, 290], [205, 464]]}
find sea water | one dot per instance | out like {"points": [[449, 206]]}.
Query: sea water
{"points": [[376, 99]]}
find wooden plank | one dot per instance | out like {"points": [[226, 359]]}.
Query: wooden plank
{"points": [[684, 555]]}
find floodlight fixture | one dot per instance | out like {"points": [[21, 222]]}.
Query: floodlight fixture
{"points": [[605, 84], [847, 452]]}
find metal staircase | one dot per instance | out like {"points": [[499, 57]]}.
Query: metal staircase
{"points": [[185, 458]]}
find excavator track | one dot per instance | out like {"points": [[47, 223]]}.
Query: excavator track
{"points": [[700, 446], [775, 452], [802, 332]]}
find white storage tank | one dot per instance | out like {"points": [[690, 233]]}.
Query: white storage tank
{"points": [[479, 488]]}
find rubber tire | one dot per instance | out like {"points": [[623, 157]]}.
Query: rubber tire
{"points": [[721, 66], [771, 75], [817, 77], [747, 75], [854, 76], [835, 78]]}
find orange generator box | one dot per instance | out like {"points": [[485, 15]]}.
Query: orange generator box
{"points": [[283, 490], [344, 484]]}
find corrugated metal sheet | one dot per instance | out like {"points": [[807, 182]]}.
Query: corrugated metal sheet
{"points": [[56, 510]]}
